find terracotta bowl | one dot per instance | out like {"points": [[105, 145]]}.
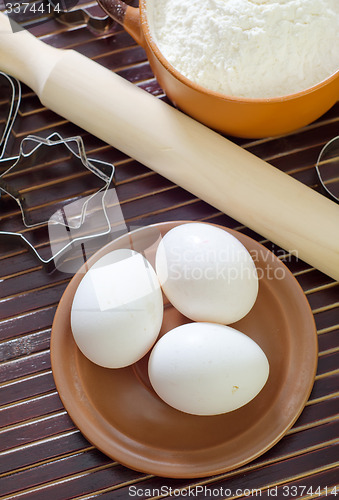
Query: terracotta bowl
{"points": [[242, 117]]}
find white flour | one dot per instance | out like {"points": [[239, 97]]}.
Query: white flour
{"points": [[249, 48]]}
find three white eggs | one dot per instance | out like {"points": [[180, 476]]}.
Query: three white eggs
{"points": [[203, 367]]}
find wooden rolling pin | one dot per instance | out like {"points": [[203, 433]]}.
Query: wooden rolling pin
{"points": [[189, 154]]}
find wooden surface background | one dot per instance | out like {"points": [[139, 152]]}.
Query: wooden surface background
{"points": [[42, 454]]}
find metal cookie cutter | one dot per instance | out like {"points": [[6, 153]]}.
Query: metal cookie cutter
{"points": [[93, 17], [11, 114], [327, 168], [75, 218], [14, 104]]}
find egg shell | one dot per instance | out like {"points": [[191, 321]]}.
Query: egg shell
{"points": [[207, 368], [117, 310], [207, 273]]}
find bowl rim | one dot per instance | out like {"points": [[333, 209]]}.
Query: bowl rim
{"points": [[211, 93]]}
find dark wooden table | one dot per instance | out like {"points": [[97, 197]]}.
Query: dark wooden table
{"points": [[42, 454]]}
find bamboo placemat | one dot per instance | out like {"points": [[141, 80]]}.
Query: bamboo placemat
{"points": [[42, 454]]}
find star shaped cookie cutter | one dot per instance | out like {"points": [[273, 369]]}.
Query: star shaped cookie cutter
{"points": [[54, 140], [58, 218], [102, 170]]}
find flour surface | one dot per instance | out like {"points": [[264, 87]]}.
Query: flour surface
{"points": [[250, 48]]}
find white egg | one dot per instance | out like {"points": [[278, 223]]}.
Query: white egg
{"points": [[117, 309], [207, 273], [207, 368]]}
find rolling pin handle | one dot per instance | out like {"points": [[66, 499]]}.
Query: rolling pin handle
{"points": [[127, 16], [18, 55]]}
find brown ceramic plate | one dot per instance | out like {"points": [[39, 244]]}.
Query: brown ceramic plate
{"points": [[121, 415]]}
